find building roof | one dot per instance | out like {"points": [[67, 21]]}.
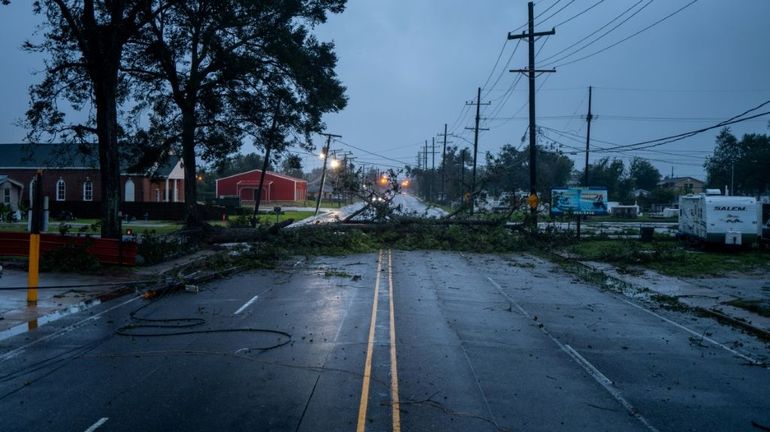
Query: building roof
{"points": [[5, 178], [676, 179], [70, 156], [48, 156], [272, 173]]}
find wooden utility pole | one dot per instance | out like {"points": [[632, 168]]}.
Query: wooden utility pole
{"points": [[530, 35], [462, 175], [323, 171], [589, 117], [443, 165], [476, 142]]}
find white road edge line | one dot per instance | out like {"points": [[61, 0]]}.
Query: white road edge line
{"points": [[96, 425], [596, 373], [15, 352], [696, 334], [585, 364], [247, 304]]}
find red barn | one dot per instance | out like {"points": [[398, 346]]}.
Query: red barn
{"points": [[277, 187]]}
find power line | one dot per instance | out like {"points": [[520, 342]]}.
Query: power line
{"points": [[600, 29], [371, 153], [632, 35], [499, 56], [557, 12], [580, 13], [503, 70], [642, 145]]}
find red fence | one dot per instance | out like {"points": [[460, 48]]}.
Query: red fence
{"points": [[107, 251]]}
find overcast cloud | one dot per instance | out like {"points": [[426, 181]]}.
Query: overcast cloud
{"points": [[411, 65]]}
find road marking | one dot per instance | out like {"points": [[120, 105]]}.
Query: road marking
{"points": [[247, 304], [96, 425], [696, 334], [369, 350], [395, 404], [580, 360], [19, 350]]}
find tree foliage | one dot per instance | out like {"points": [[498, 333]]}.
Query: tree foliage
{"points": [[743, 163], [217, 72], [643, 174], [509, 170], [85, 42], [612, 175]]}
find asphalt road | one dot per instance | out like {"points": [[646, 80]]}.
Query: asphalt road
{"points": [[413, 341]]}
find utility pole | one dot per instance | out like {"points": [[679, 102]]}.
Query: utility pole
{"points": [[323, 171], [530, 35], [426, 186], [462, 175], [433, 167], [443, 166], [589, 117], [476, 141]]}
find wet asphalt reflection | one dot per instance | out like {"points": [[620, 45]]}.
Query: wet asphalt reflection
{"points": [[394, 340]]}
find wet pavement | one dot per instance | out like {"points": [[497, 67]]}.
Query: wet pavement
{"points": [[709, 294], [62, 294], [413, 341]]}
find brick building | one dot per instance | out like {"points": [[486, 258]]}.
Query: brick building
{"points": [[71, 174]]}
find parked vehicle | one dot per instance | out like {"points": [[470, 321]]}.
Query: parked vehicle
{"points": [[718, 219]]}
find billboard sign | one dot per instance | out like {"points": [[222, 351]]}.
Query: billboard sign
{"points": [[579, 201]]}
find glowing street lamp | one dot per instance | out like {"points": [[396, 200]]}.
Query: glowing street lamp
{"points": [[335, 163]]}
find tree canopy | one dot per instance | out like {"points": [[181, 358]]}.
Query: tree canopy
{"points": [[509, 170], [85, 42], [216, 72], [742, 163]]}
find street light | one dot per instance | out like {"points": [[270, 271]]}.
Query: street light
{"points": [[335, 163]]}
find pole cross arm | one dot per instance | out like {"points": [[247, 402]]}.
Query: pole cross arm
{"points": [[523, 35], [533, 70]]}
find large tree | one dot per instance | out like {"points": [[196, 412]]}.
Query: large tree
{"points": [[217, 72], [740, 163], [508, 171], [85, 42], [643, 174], [612, 175]]}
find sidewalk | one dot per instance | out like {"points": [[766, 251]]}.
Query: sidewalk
{"points": [[73, 293], [708, 295]]}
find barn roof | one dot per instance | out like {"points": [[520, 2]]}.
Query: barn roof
{"points": [[272, 173]]}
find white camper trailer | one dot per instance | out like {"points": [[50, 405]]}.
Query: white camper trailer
{"points": [[730, 220]]}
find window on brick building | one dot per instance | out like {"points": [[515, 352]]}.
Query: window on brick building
{"points": [[61, 190], [88, 190]]}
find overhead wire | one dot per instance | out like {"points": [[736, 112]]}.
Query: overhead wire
{"points": [[617, 17], [557, 12], [579, 14], [502, 71], [632, 35]]}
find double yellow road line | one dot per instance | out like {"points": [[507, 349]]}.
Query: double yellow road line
{"points": [[395, 405]]}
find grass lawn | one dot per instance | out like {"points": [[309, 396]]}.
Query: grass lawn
{"points": [[672, 258], [85, 226]]}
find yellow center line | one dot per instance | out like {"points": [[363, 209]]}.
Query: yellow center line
{"points": [[369, 350], [395, 405]]}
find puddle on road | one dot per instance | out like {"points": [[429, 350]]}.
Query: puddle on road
{"points": [[48, 318]]}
